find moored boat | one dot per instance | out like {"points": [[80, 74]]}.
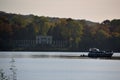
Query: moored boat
{"points": [[94, 52]]}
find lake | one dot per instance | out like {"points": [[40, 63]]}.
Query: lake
{"points": [[29, 68]]}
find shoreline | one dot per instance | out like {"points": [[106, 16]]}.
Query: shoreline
{"points": [[75, 57], [59, 56]]}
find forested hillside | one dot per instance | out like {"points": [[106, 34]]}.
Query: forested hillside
{"points": [[80, 34]]}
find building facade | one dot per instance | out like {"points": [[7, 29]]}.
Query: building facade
{"points": [[42, 42]]}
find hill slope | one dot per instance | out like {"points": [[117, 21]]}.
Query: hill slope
{"points": [[78, 35]]}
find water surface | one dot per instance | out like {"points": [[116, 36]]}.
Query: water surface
{"points": [[29, 68]]}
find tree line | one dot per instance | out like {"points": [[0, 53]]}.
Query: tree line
{"points": [[80, 34]]}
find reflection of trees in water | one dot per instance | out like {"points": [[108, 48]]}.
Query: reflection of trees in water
{"points": [[3, 75], [12, 68]]}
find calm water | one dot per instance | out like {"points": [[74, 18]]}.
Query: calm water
{"points": [[29, 68]]}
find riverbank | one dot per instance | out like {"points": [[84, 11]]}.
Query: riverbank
{"points": [[65, 55], [75, 57]]}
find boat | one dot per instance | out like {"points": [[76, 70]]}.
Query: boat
{"points": [[95, 52]]}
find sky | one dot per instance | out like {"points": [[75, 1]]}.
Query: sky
{"points": [[93, 10]]}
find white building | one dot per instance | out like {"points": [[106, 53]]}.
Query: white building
{"points": [[44, 40], [41, 41]]}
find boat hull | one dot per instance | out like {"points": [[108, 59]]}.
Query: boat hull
{"points": [[100, 54]]}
